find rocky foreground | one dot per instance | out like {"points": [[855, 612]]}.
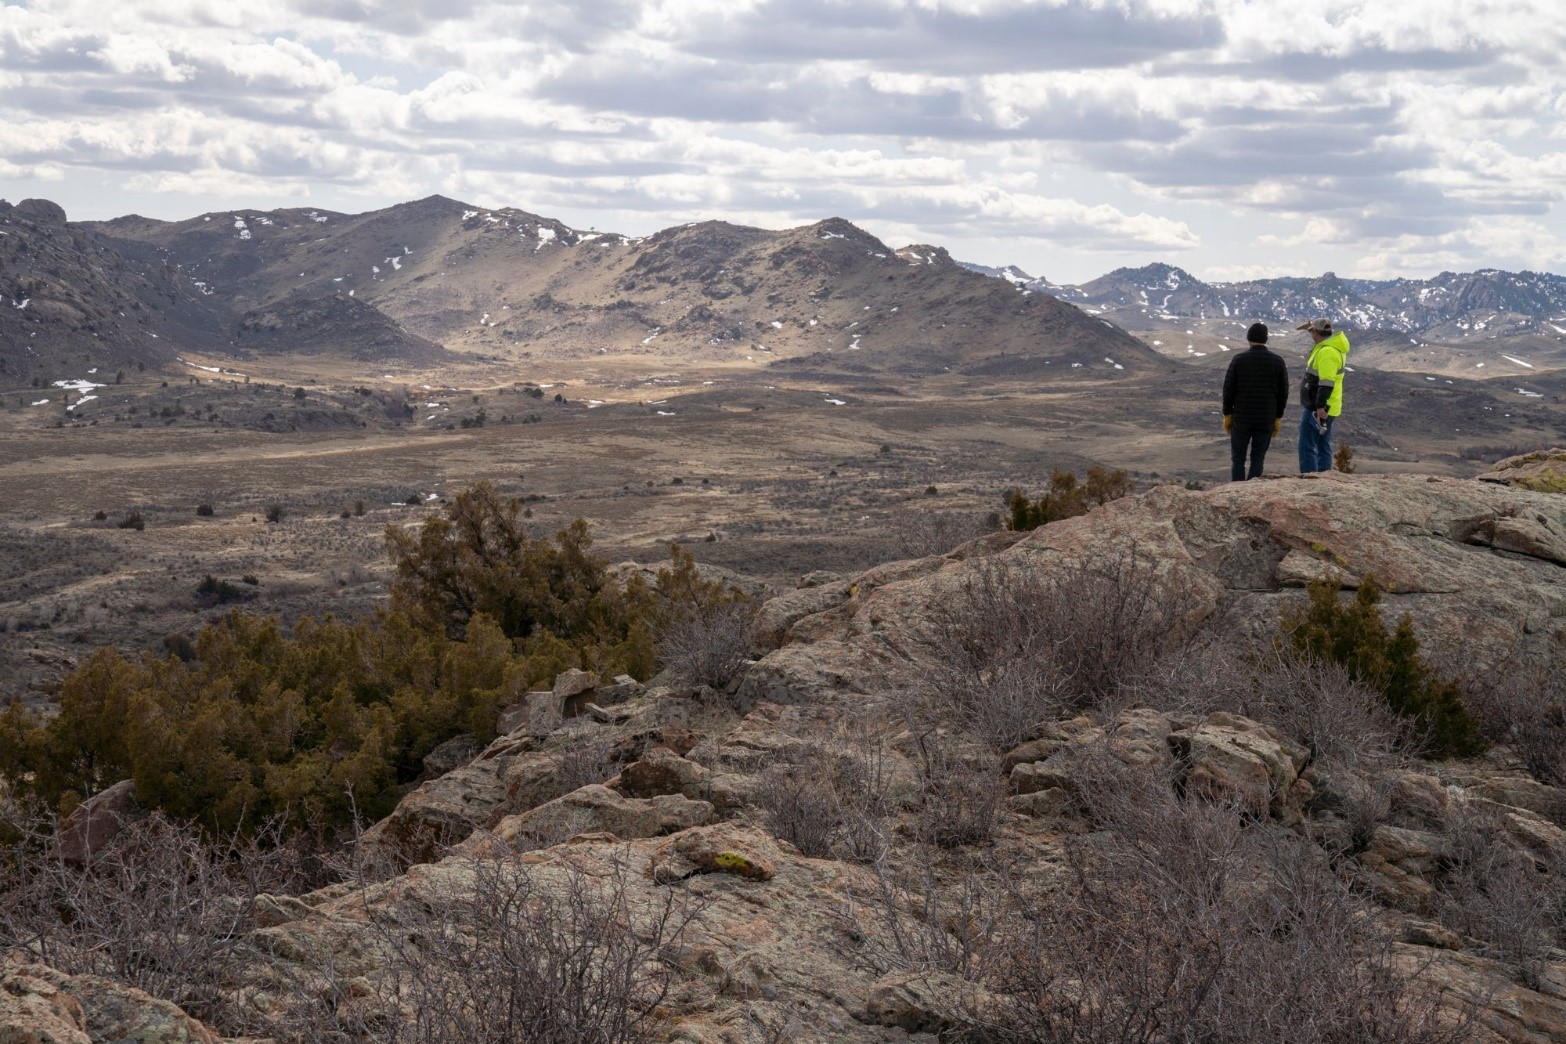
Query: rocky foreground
{"points": [[664, 804]]}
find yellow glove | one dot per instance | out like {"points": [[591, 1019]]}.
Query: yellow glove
{"points": [[1277, 425], [1228, 423]]}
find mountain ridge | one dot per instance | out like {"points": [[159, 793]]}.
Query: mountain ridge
{"points": [[437, 281], [1487, 302]]}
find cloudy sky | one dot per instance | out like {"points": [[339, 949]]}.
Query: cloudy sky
{"points": [[1232, 137]]}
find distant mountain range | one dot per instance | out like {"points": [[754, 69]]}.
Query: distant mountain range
{"points": [[436, 283], [1450, 307]]}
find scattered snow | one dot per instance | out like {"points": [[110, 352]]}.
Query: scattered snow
{"points": [[1557, 329], [22, 303], [837, 402], [813, 322], [78, 402], [545, 236], [833, 235], [1157, 344], [776, 325], [665, 413], [1531, 395], [78, 386], [41, 402], [1519, 362], [468, 214]]}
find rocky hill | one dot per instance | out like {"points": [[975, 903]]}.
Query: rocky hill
{"points": [[505, 284], [815, 853], [74, 307]]}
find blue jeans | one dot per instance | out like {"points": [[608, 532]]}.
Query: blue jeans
{"points": [[1252, 436], [1315, 445]]}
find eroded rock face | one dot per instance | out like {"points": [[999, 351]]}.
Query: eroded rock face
{"points": [[1476, 565], [597, 809], [1543, 471], [95, 822], [1228, 758], [40, 1005]]}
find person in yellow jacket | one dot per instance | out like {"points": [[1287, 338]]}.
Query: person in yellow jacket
{"points": [[1321, 394]]}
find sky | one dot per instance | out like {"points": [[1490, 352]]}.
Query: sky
{"points": [[1234, 138]]}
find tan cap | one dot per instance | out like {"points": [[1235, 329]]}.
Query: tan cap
{"points": [[1317, 326]]}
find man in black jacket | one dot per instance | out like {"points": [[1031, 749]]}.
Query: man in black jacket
{"points": [[1255, 394]]}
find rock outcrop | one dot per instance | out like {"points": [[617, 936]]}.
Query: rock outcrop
{"points": [[40, 1005], [1477, 565]]}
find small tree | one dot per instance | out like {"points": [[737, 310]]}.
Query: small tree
{"points": [[1354, 635], [1066, 497], [1343, 459]]}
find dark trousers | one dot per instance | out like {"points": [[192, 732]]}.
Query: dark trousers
{"points": [[1252, 436]]}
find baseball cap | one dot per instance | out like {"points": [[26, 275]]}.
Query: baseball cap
{"points": [[1317, 326]]}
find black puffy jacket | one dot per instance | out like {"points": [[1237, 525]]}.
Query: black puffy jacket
{"points": [[1256, 386]]}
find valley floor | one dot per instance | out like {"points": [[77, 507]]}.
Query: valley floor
{"points": [[773, 475]]}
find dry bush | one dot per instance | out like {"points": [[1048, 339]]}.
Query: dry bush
{"points": [[959, 791], [800, 809], [1509, 899], [920, 533], [528, 956], [862, 789], [709, 644], [1017, 646], [927, 910], [1525, 707], [1320, 704], [163, 907], [589, 760], [1186, 921], [1174, 920], [835, 802]]}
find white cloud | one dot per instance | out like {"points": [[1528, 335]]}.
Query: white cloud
{"points": [[1200, 127]]}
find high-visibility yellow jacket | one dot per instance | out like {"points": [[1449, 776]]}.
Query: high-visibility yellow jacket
{"points": [[1327, 359]]}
